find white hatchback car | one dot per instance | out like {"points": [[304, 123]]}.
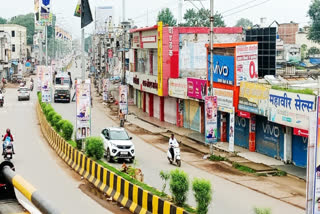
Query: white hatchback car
{"points": [[117, 144], [23, 93]]}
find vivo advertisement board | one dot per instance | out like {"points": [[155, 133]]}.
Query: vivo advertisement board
{"points": [[223, 69]]}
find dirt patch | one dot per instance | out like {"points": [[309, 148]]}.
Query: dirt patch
{"points": [[221, 168], [102, 199]]}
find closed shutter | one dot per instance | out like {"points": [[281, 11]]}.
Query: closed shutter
{"points": [[147, 102], [170, 110], [299, 150], [156, 106]]}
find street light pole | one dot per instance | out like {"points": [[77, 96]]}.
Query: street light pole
{"points": [[211, 54], [46, 35], [82, 56]]}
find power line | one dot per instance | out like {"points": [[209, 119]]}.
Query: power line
{"points": [[241, 5], [247, 8]]}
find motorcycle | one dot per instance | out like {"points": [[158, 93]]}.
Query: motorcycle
{"points": [[7, 149], [176, 158]]}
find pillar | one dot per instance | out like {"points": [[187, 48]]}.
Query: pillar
{"points": [[151, 105], [252, 133], [144, 101], [161, 108], [287, 145]]}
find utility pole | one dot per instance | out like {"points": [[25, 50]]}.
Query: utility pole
{"points": [[82, 56], [211, 54], [180, 4], [46, 35]]}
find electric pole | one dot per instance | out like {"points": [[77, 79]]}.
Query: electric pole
{"points": [[211, 54]]}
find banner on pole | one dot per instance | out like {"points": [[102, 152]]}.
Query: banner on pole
{"points": [[46, 84], [123, 99], [211, 111], [105, 86], [83, 103]]}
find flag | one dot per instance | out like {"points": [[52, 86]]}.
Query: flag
{"points": [[77, 12], [86, 15]]}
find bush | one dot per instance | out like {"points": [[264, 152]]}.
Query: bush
{"points": [[67, 130], [50, 116], [203, 194], [94, 147], [179, 186], [78, 142], [48, 108], [262, 210], [55, 122], [165, 177]]}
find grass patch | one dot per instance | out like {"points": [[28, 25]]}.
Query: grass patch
{"points": [[72, 143], [217, 158], [243, 168], [301, 91], [280, 173], [189, 209]]}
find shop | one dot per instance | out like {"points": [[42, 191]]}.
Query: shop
{"points": [[241, 130]]}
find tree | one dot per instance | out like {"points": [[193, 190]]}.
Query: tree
{"points": [[315, 20], [3, 21], [166, 16], [313, 51], [26, 21], [303, 51], [201, 18], [245, 23]]}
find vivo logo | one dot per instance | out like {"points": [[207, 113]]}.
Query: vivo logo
{"points": [[221, 70], [271, 130], [305, 139], [240, 122]]}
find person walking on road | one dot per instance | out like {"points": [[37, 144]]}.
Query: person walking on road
{"points": [[121, 117]]}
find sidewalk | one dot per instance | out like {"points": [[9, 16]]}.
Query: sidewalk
{"points": [[254, 160]]}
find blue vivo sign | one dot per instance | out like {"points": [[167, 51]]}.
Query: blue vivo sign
{"points": [[223, 69]]}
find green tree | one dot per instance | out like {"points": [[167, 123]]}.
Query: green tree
{"points": [[166, 16], [303, 51], [3, 21], [315, 21], [26, 21], [245, 23], [313, 51], [201, 18]]}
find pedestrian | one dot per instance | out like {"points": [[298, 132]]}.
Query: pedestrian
{"points": [[121, 117]]}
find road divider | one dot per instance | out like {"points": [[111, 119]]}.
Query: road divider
{"points": [[124, 192]]}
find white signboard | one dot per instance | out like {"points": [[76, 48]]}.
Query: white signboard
{"points": [[145, 82], [224, 97], [178, 88], [290, 109], [247, 63]]}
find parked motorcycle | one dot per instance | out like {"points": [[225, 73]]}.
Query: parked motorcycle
{"points": [[7, 149], [176, 159]]}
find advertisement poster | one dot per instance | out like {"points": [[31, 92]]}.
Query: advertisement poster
{"points": [[46, 83], [178, 88], [211, 119], [224, 97], [123, 99], [316, 198], [231, 131], [247, 63], [197, 88], [83, 102], [223, 69], [290, 109], [105, 88], [39, 77]]}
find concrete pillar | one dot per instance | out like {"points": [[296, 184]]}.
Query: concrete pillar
{"points": [[161, 108], [288, 145], [252, 133]]}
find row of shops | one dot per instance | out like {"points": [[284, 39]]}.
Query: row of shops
{"points": [[169, 78]]}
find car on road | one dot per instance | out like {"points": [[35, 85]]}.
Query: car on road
{"points": [[62, 94], [117, 144], [23, 93]]}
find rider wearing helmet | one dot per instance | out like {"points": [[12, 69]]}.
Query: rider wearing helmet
{"points": [[8, 134]]}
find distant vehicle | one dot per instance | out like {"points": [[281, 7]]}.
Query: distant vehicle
{"points": [[17, 78], [62, 79], [23, 93], [62, 94], [117, 144]]}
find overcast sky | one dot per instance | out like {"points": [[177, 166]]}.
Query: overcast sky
{"points": [[232, 10]]}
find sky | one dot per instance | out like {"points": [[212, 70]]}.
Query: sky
{"points": [[144, 12]]}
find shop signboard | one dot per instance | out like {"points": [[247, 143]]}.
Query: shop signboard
{"points": [[178, 88], [224, 97], [145, 82], [254, 98], [301, 132], [290, 109], [247, 63], [196, 88], [211, 119], [83, 106], [223, 69], [123, 99]]}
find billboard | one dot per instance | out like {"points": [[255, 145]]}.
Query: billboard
{"points": [[247, 63], [123, 99], [45, 13], [223, 69], [178, 88], [211, 119], [105, 88], [290, 109], [104, 19], [197, 88], [46, 83], [224, 97], [83, 105]]}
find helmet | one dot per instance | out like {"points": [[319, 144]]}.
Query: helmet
{"points": [[8, 130]]}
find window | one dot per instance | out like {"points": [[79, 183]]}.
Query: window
{"points": [[13, 33], [151, 61], [13, 48], [118, 135]]}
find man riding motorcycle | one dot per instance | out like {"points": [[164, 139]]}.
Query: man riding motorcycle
{"points": [[172, 144], [8, 134]]}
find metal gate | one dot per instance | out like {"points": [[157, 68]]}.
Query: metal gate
{"points": [[241, 134], [269, 138], [299, 150], [192, 115]]}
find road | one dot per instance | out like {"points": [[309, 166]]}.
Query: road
{"points": [[228, 197], [38, 163]]}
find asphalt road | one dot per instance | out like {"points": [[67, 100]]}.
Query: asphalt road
{"points": [[38, 163], [228, 197]]}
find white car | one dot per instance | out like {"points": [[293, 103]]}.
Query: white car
{"points": [[23, 93], [117, 144]]}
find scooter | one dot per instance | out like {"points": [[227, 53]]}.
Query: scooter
{"points": [[1, 100], [8, 149], [177, 159]]}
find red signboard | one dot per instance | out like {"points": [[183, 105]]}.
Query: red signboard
{"points": [[244, 114], [301, 132]]}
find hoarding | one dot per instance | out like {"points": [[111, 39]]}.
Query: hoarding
{"points": [[123, 99], [105, 88], [223, 69], [104, 19], [197, 88], [224, 97], [83, 105], [211, 119], [247, 63], [290, 109], [178, 88], [46, 84]]}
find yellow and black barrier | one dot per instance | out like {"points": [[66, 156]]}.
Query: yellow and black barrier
{"points": [[129, 195], [8, 176]]}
